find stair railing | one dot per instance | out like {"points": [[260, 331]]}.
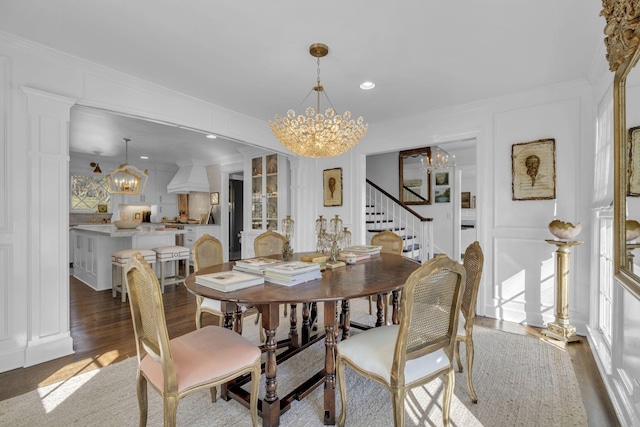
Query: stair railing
{"points": [[406, 222]]}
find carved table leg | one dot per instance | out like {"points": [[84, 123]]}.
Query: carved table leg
{"points": [[380, 312], [271, 402], [229, 310], [314, 316], [306, 325], [293, 330], [395, 302], [330, 363], [345, 320], [237, 326]]}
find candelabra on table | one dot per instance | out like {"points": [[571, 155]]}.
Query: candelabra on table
{"points": [[331, 239], [287, 232]]}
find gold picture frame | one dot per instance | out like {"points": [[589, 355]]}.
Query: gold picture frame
{"points": [[215, 198], [465, 200], [332, 185], [633, 164], [533, 170]]}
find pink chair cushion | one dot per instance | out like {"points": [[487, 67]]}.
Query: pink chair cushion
{"points": [[373, 352], [202, 355]]}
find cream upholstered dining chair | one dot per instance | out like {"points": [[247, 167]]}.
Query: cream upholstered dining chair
{"points": [[420, 348], [473, 261], [200, 359], [390, 243], [207, 251]]}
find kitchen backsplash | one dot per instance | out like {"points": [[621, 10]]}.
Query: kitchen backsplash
{"points": [[86, 218], [199, 204]]}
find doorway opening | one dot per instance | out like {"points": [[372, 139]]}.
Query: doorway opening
{"points": [[235, 216]]}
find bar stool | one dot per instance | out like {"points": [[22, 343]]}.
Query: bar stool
{"points": [[119, 261], [173, 254]]}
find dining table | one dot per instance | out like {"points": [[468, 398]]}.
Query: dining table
{"points": [[382, 273]]}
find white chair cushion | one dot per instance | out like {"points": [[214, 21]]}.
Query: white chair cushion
{"points": [[172, 252], [373, 350], [215, 305], [211, 304], [121, 257], [461, 322]]}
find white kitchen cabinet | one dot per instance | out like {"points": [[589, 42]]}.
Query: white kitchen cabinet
{"points": [[94, 244], [246, 243], [195, 231], [266, 193], [150, 195]]}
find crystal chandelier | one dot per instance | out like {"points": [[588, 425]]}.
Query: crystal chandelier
{"points": [[437, 159], [316, 135], [127, 179]]}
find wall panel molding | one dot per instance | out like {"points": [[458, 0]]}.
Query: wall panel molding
{"points": [[48, 117]]}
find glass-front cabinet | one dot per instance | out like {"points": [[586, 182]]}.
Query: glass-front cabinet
{"points": [[268, 191]]}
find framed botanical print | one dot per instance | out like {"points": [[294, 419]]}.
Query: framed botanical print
{"points": [[533, 170], [332, 184]]}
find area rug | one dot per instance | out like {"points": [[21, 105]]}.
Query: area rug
{"points": [[520, 381]]}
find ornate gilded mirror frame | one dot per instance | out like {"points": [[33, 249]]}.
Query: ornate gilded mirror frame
{"points": [[622, 41], [415, 183]]}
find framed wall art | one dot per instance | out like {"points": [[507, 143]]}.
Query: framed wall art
{"points": [[465, 200], [533, 170], [633, 164], [442, 178], [442, 195], [332, 184], [214, 198]]}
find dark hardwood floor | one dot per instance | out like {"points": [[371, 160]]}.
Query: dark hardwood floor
{"points": [[102, 335]]}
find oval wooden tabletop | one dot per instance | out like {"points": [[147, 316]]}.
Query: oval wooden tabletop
{"points": [[379, 274]]}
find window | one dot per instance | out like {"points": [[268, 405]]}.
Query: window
{"points": [[87, 192]]}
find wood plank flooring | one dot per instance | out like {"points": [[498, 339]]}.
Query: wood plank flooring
{"points": [[102, 335]]}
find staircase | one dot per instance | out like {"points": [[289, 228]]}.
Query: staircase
{"points": [[385, 212]]}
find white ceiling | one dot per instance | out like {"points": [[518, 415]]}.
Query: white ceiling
{"points": [[252, 56]]}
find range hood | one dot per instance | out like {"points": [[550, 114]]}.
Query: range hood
{"points": [[190, 177]]}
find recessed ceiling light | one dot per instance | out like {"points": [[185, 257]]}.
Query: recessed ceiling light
{"points": [[211, 136], [367, 85], [144, 157]]}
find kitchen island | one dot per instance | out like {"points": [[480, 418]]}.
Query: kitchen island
{"points": [[94, 244]]}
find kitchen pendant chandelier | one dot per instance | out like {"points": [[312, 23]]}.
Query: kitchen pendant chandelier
{"points": [[318, 135], [127, 179]]}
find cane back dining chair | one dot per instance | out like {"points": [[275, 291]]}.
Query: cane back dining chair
{"points": [[207, 251], [270, 243], [417, 350], [200, 359], [473, 261], [390, 243]]}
